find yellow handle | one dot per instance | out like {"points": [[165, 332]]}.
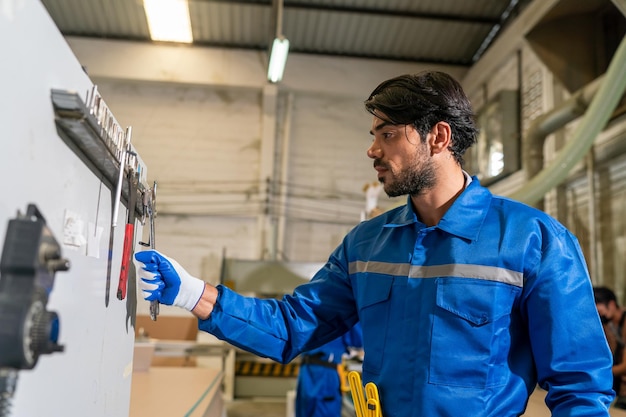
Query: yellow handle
{"points": [[363, 408], [356, 388], [342, 370], [373, 400]]}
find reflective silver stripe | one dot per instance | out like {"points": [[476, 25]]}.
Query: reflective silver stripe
{"points": [[489, 273], [401, 270]]}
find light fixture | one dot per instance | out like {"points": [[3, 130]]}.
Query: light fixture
{"points": [[168, 20], [278, 59], [280, 46]]}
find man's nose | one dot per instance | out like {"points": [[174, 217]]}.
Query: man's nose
{"points": [[374, 150]]}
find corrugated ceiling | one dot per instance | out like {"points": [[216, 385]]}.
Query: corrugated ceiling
{"points": [[429, 31]]}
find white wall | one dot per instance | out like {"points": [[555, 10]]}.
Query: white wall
{"points": [[92, 376]]}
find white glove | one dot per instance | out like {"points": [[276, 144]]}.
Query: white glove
{"points": [[164, 280]]}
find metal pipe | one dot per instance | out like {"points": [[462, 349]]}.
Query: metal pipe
{"points": [[547, 123], [595, 119], [279, 17], [593, 222]]}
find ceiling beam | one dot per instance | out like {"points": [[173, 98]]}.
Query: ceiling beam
{"points": [[444, 17]]}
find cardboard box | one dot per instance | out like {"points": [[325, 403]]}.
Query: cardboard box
{"points": [[168, 328]]}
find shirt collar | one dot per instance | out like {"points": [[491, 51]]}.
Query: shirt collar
{"points": [[466, 215], [468, 178], [464, 218]]}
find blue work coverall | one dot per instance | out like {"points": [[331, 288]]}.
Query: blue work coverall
{"points": [[460, 319], [319, 387]]}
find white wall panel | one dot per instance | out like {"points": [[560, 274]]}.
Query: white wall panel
{"points": [[92, 376]]}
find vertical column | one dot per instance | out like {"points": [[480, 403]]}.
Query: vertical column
{"points": [[267, 219]]}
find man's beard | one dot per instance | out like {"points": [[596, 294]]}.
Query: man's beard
{"points": [[413, 180]]}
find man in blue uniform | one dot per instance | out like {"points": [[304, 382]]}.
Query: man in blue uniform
{"points": [[613, 318], [467, 300], [319, 387]]}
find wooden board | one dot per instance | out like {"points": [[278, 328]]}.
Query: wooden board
{"points": [[174, 391]]}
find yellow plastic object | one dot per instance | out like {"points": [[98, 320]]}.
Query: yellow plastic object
{"points": [[356, 389], [373, 400], [364, 407], [342, 370]]}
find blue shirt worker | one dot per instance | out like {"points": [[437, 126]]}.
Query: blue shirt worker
{"points": [[467, 300], [318, 392]]}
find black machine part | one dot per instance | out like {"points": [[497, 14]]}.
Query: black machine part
{"points": [[30, 258]]}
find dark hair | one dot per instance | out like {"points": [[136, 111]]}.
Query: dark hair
{"points": [[603, 295], [423, 100]]}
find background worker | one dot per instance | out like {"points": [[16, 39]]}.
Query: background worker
{"points": [[467, 300], [613, 319], [318, 392]]}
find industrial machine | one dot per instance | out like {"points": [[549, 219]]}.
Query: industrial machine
{"points": [[31, 256]]}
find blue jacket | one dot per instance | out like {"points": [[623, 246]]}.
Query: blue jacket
{"points": [[334, 350], [460, 319]]}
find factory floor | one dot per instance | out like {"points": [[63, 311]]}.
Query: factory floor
{"points": [[256, 408]]}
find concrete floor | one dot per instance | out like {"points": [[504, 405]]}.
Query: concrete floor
{"points": [[257, 407]]}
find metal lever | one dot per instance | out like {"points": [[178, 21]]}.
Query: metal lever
{"points": [[149, 204]]}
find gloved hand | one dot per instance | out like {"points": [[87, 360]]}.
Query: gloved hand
{"points": [[164, 280]]}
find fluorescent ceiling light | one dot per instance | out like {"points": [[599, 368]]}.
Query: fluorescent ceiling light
{"points": [[278, 59], [168, 20]]}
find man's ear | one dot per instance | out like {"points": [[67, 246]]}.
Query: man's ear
{"points": [[440, 138]]}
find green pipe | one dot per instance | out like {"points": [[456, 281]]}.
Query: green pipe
{"points": [[547, 123], [595, 119]]}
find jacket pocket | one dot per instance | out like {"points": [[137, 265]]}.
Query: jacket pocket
{"points": [[471, 338], [373, 297]]}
